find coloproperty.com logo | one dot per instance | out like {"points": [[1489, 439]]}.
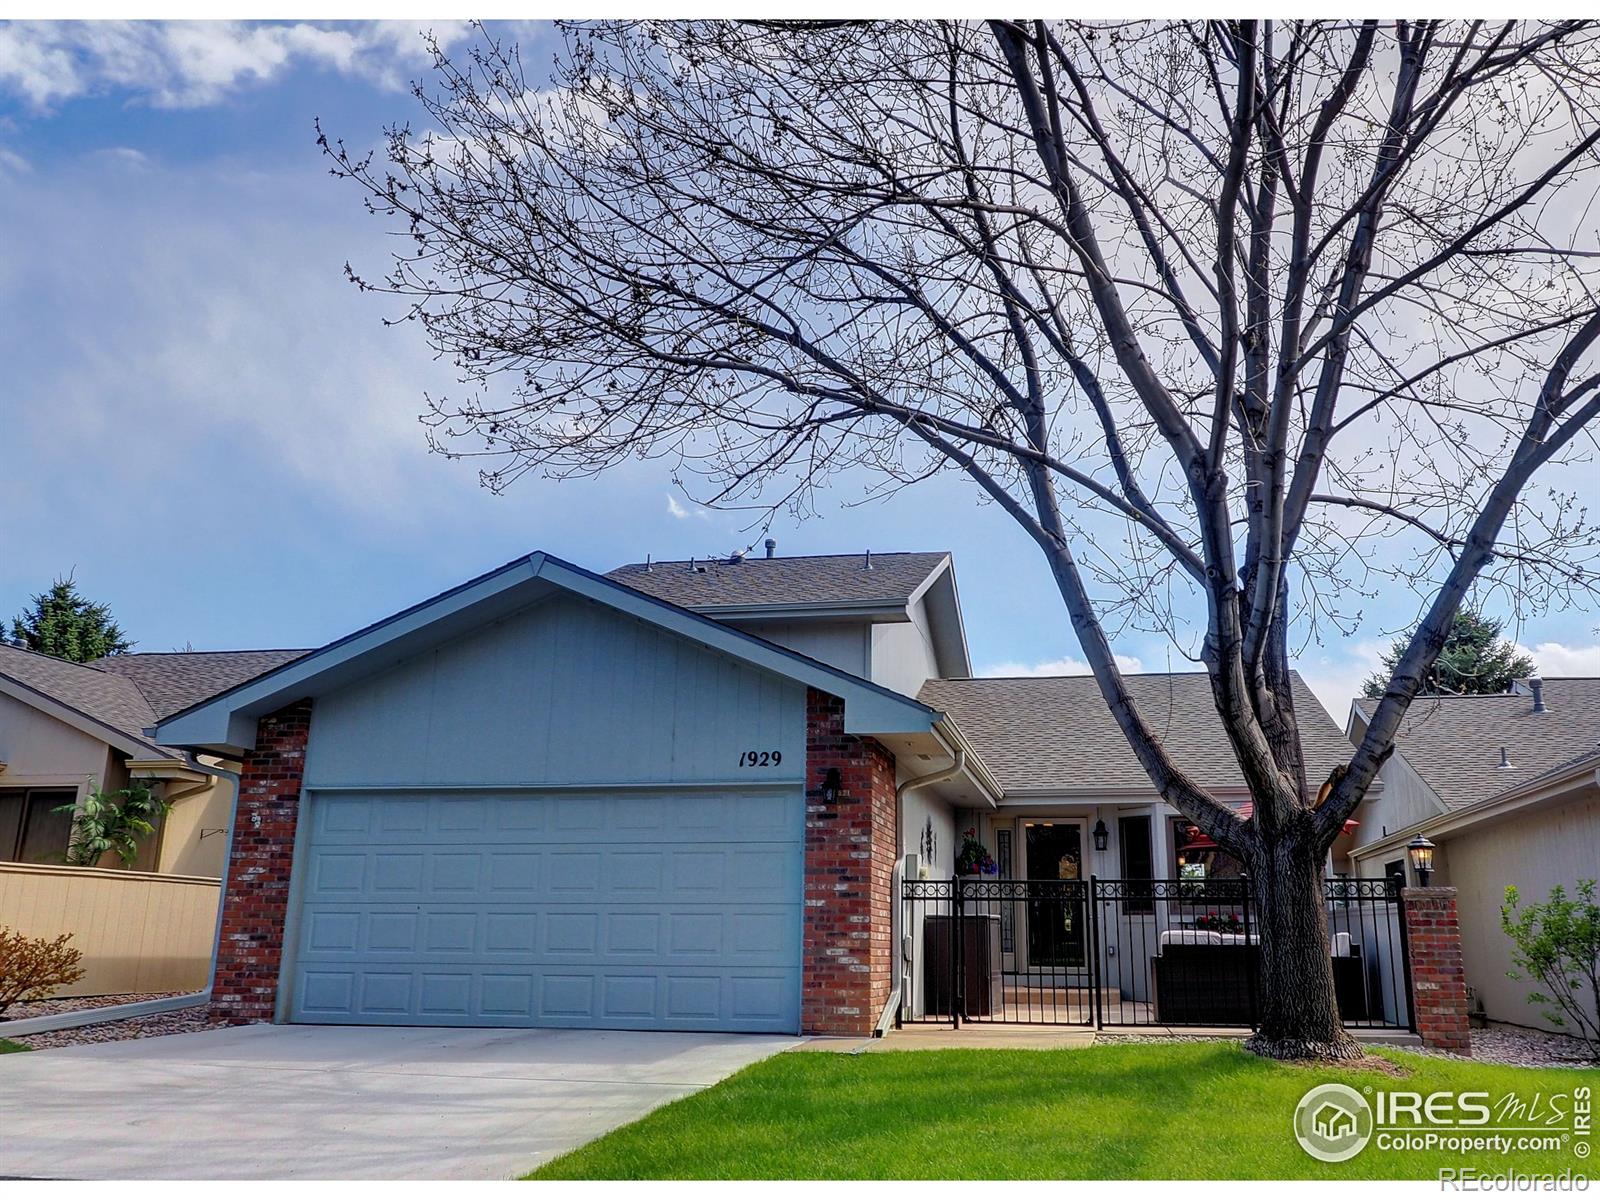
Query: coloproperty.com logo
{"points": [[1334, 1122]]}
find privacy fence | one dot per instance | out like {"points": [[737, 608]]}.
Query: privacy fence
{"points": [[138, 931]]}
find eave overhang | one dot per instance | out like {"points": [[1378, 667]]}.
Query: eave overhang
{"points": [[225, 724]]}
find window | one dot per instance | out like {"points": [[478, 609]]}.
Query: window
{"points": [[1138, 862], [30, 829], [1198, 857]]}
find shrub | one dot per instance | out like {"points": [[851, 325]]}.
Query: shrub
{"points": [[33, 967], [1557, 945], [114, 821]]}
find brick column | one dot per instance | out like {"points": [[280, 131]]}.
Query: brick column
{"points": [[1438, 982], [256, 900], [850, 854]]}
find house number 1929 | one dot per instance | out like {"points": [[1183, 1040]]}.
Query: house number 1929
{"points": [[760, 758]]}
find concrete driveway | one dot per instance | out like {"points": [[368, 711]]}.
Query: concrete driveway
{"points": [[318, 1102]]}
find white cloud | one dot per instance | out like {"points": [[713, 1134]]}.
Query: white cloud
{"points": [[14, 163], [1557, 659], [1335, 677], [186, 64], [1068, 665], [676, 509], [182, 313]]}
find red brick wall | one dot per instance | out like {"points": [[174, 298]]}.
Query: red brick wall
{"points": [[1438, 983], [850, 855], [257, 897]]}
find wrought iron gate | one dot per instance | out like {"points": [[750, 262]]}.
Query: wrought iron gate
{"points": [[998, 951], [1124, 952]]}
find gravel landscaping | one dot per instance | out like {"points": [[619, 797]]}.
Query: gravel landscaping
{"points": [[183, 1020], [1517, 1047], [49, 1008], [1506, 1045]]}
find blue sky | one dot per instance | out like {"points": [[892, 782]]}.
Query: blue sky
{"points": [[215, 433]]}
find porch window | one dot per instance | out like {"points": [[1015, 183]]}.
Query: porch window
{"points": [[1138, 862], [1198, 857], [30, 830]]}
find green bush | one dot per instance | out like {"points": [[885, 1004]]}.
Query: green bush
{"points": [[113, 821], [1557, 946]]}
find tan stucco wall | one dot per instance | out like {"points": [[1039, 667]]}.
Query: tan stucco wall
{"points": [[194, 837], [1534, 850], [40, 751]]}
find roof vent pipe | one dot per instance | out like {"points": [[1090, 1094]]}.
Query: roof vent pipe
{"points": [[1505, 759], [869, 560], [772, 546], [1536, 686]]}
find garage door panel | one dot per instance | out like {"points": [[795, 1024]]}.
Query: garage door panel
{"points": [[628, 910], [752, 873], [626, 817], [590, 937], [681, 999]]}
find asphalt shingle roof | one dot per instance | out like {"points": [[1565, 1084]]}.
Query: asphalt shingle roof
{"points": [[797, 579], [1454, 742], [1055, 731], [174, 681], [131, 692], [110, 699]]}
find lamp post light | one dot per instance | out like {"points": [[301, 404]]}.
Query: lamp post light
{"points": [[1420, 850]]}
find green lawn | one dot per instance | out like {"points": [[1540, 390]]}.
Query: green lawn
{"points": [[1179, 1111], [12, 1047]]}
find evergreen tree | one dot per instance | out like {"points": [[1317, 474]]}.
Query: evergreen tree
{"points": [[1475, 661], [64, 623]]}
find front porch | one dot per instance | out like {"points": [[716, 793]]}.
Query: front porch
{"points": [[1138, 954]]}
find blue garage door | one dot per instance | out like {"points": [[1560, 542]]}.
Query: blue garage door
{"points": [[623, 910]]}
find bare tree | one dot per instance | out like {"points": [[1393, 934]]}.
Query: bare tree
{"points": [[1242, 319]]}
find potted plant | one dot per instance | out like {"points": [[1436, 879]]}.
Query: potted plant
{"points": [[974, 858], [1217, 922]]}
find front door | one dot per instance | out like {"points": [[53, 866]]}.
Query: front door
{"points": [[1053, 850]]}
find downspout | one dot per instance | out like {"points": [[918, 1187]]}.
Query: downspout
{"points": [[145, 1008], [958, 764]]}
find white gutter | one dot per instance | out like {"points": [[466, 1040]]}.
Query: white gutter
{"points": [[145, 1008], [958, 764]]}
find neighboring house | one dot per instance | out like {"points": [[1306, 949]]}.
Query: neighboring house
{"points": [[67, 728], [1508, 789], [677, 796]]}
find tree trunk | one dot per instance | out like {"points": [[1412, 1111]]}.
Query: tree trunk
{"points": [[1299, 1014]]}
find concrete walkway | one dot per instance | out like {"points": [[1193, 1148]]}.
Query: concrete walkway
{"points": [[985, 1036], [320, 1102]]}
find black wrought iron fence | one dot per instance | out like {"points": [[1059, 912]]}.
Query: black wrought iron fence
{"points": [[1126, 952], [999, 950]]}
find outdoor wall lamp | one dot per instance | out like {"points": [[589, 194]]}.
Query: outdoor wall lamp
{"points": [[830, 786], [1100, 835], [1420, 850]]}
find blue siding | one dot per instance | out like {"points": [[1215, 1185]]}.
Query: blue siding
{"points": [[563, 693], [546, 823]]}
